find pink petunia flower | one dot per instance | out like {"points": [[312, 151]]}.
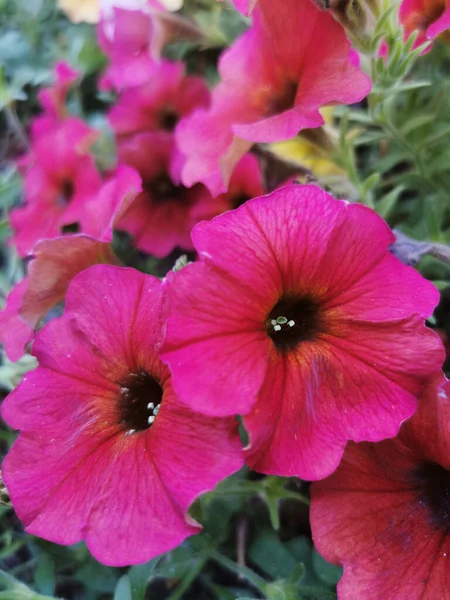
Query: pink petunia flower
{"points": [[162, 216], [385, 514], [133, 39], [55, 262], [293, 60], [53, 98], [107, 453], [246, 182], [298, 317], [430, 18], [61, 179], [160, 103]]}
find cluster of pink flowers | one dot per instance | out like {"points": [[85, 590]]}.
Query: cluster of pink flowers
{"points": [[294, 314]]}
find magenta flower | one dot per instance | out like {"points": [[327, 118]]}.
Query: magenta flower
{"points": [[293, 60], [134, 39], [384, 514], [162, 216], [55, 262], [107, 453], [430, 18], [160, 103], [53, 98], [246, 182], [61, 179], [298, 317]]}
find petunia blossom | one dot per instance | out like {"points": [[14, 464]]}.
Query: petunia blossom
{"points": [[55, 262], [61, 179], [107, 453], [430, 18], [298, 317], [293, 60], [162, 216], [160, 103], [53, 98], [246, 183], [133, 38], [384, 514]]}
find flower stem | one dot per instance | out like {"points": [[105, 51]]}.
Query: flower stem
{"points": [[188, 579], [241, 571]]}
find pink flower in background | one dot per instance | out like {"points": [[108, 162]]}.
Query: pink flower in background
{"points": [[107, 453], [293, 60], [298, 317], [55, 262], [53, 98], [134, 38], [246, 182], [429, 17], [385, 512], [159, 103], [162, 216], [61, 179]]}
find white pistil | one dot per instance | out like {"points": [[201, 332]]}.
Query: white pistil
{"points": [[277, 327], [150, 419], [291, 323], [150, 406]]}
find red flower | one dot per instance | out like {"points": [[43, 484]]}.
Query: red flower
{"points": [[162, 216], [293, 60], [107, 453], [299, 317], [385, 512]]}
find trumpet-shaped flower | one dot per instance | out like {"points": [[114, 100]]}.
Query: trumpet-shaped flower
{"points": [[162, 216], [55, 262], [298, 317], [160, 103], [385, 513], [293, 60], [61, 179], [107, 453]]}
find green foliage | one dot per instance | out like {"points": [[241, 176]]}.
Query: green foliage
{"points": [[394, 150]]}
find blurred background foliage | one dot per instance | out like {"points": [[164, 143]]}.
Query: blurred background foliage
{"points": [[391, 152]]}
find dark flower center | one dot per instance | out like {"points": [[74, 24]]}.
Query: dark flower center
{"points": [[67, 191], [283, 100], [293, 320], [434, 492], [168, 120], [162, 189], [139, 401], [239, 200]]}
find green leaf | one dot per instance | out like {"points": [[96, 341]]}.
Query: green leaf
{"points": [[327, 572], [386, 205], [269, 554], [123, 589], [44, 576]]}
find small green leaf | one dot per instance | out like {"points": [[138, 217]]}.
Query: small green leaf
{"points": [[123, 589]]}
